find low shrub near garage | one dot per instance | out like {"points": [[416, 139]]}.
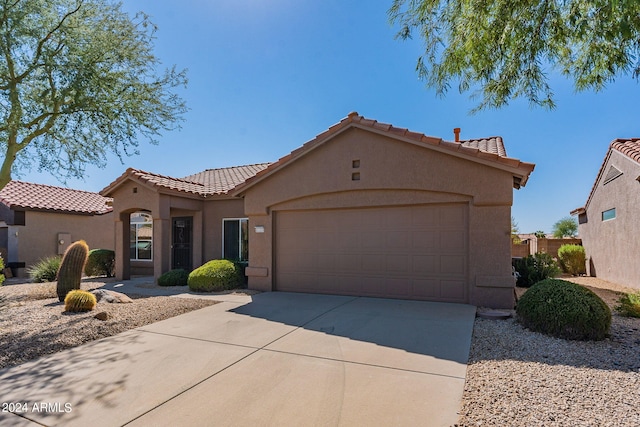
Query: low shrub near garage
{"points": [[629, 305], [534, 268], [101, 262], [214, 276], [572, 259], [564, 310], [177, 277]]}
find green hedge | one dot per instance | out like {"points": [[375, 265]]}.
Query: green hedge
{"points": [[214, 276], [564, 310], [178, 277], [101, 262]]}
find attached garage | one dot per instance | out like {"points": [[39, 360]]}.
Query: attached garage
{"points": [[415, 252], [369, 209]]}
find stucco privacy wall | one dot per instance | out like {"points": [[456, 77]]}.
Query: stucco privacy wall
{"points": [[39, 237], [391, 172], [207, 214], [612, 247]]}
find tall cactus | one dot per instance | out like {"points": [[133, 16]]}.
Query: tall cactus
{"points": [[71, 268]]}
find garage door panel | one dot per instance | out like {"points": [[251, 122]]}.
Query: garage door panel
{"points": [[400, 252], [452, 265], [425, 241], [452, 289], [426, 265]]}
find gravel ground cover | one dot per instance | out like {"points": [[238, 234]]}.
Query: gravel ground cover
{"points": [[517, 377], [33, 322]]}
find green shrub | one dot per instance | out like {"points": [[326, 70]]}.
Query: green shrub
{"points": [[101, 262], [45, 270], [79, 300], [214, 276], [629, 305], [177, 277], [534, 268], [572, 259], [564, 310]]}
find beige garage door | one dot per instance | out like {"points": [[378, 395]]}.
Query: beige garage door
{"points": [[415, 252]]}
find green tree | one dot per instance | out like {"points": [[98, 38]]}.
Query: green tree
{"points": [[514, 231], [79, 80], [540, 234], [566, 227], [506, 49]]}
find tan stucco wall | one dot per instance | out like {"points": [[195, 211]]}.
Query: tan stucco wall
{"points": [[38, 238], [392, 173], [612, 247], [207, 225]]}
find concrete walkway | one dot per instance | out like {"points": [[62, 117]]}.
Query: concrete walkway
{"points": [[268, 359]]}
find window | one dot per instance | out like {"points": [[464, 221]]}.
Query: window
{"points": [[609, 214], [235, 239], [141, 236]]}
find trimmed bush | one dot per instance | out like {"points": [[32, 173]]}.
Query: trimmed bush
{"points": [[178, 277], [629, 305], [214, 276], [572, 259], [78, 300], [535, 268], [101, 262], [565, 310], [45, 270], [71, 268]]}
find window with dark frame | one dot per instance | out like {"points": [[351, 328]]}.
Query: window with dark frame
{"points": [[235, 239]]}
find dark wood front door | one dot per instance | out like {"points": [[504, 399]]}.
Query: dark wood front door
{"points": [[182, 243]]}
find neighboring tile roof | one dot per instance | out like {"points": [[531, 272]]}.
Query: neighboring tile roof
{"points": [[206, 183], [492, 145], [491, 149], [29, 196], [630, 147]]}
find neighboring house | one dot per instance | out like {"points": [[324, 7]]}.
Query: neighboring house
{"points": [[38, 221], [364, 208], [608, 222]]}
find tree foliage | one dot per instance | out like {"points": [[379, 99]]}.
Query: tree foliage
{"points": [[506, 49], [79, 80], [515, 230], [566, 227]]}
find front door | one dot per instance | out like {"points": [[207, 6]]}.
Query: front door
{"points": [[182, 243]]}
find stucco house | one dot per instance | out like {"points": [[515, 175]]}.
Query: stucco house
{"points": [[608, 222], [364, 208], [38, 221]]}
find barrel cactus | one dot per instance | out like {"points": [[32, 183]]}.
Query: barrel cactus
{"points": [[79, 300], [71, 268]]}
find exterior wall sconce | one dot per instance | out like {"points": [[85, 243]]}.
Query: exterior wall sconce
{"points": [[259, 228], [61, 242]]}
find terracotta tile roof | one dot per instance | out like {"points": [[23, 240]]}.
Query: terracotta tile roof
{"points": [[29, 196], [491, 149], [203, 184], [221, 181], [630, 147]]}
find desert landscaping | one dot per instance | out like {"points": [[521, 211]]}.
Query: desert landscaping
{"points": [[515, 377]]}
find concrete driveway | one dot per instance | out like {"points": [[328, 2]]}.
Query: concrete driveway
{"points": [[273, 359]]}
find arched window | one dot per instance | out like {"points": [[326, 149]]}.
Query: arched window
{"points": [[141, 236]]}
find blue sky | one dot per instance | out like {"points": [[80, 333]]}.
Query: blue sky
{"points": [[267, 76]]}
